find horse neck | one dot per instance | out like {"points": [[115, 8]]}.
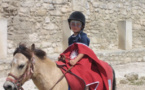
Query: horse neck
{"points": [[45, 72]]}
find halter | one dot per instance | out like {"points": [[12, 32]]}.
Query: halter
{"points": [[27, 74]]}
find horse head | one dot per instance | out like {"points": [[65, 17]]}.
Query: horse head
{"points": [[21, 67], [32, 63]]}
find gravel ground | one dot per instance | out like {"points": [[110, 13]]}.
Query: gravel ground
{"points": [[120, 70]]}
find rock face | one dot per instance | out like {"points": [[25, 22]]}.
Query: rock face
{"points": [[45, 18]]}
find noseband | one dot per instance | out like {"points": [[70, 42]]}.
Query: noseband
{"points": [[27, 74]]}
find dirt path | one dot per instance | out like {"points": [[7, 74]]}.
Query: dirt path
{"points": [[120, 70]]}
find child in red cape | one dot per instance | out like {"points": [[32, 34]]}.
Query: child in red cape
{"points": [[88, 71]]}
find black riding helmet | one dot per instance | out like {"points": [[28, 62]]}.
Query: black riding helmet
{"points": [[77, 15]]}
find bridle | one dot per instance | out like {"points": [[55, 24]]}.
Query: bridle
{"points": [[27, 74]]}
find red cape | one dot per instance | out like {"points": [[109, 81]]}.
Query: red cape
{"points": [[89, 71]]}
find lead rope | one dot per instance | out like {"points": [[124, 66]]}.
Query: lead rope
{"points": [[62, 59], [61, 78]]}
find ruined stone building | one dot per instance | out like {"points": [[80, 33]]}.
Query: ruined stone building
{"points": [[116, 28]]}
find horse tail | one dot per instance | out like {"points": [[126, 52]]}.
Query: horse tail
{"points": [[114, 80]]}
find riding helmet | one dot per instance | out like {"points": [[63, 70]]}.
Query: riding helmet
{"points": [[77, 15]]}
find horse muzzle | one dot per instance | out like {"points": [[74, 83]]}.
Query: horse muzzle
{"points": [[9, 86]]}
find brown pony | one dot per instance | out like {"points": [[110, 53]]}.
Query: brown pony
{"points": [[33, 64]]}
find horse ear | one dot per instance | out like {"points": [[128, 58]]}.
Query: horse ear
{"points": [[33, 47]]}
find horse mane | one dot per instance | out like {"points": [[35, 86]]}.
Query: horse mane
{"points": [[40, 53], [28, 52], [24, 50]]}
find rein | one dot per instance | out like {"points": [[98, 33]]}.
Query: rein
{"points": [[27, 74], [62, 58]]}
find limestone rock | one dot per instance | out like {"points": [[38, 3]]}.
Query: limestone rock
{"points": [[59, 1], [65, 9], [5, 5], [47, 19], [47, 1], [131, 76], [46, 44], [41, 12], [143, 59], [142, 78], [34, 37], [124, 81], [51, 26], [24, 10], [55, 13], [48, 6], [28, 3]]}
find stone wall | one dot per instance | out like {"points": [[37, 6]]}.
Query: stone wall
{"points": [[40, 22], [116, 57], [122, 56]]}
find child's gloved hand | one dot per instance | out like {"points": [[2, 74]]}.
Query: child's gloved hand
{"points": [[72, 62], [59, 58]]}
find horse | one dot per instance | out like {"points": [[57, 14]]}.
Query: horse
{"points": [[34, 64]]}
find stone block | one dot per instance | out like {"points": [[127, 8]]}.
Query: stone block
{"points": [[41, 12], [45, 44], [94, 40], [79, 5], [143, 59], [139, 59], [24, 10], [47, 19], [3, 38], [96, 4], [28, 3], [48, 6], [51, 26], [125, 34], [55, 13], [66, 34], [131, 76], [127, 60], [65, 9], [123, 81], [34, 37], [137, 26], [4, 67], [57, 49], [47, 1], [5, 5], [50, 50], [59, 1]]}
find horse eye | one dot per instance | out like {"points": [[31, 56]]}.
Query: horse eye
{"points": [[21, 66]]}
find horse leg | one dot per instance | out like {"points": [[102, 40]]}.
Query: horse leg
{"points": [[114, 80], [87, 88]]}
